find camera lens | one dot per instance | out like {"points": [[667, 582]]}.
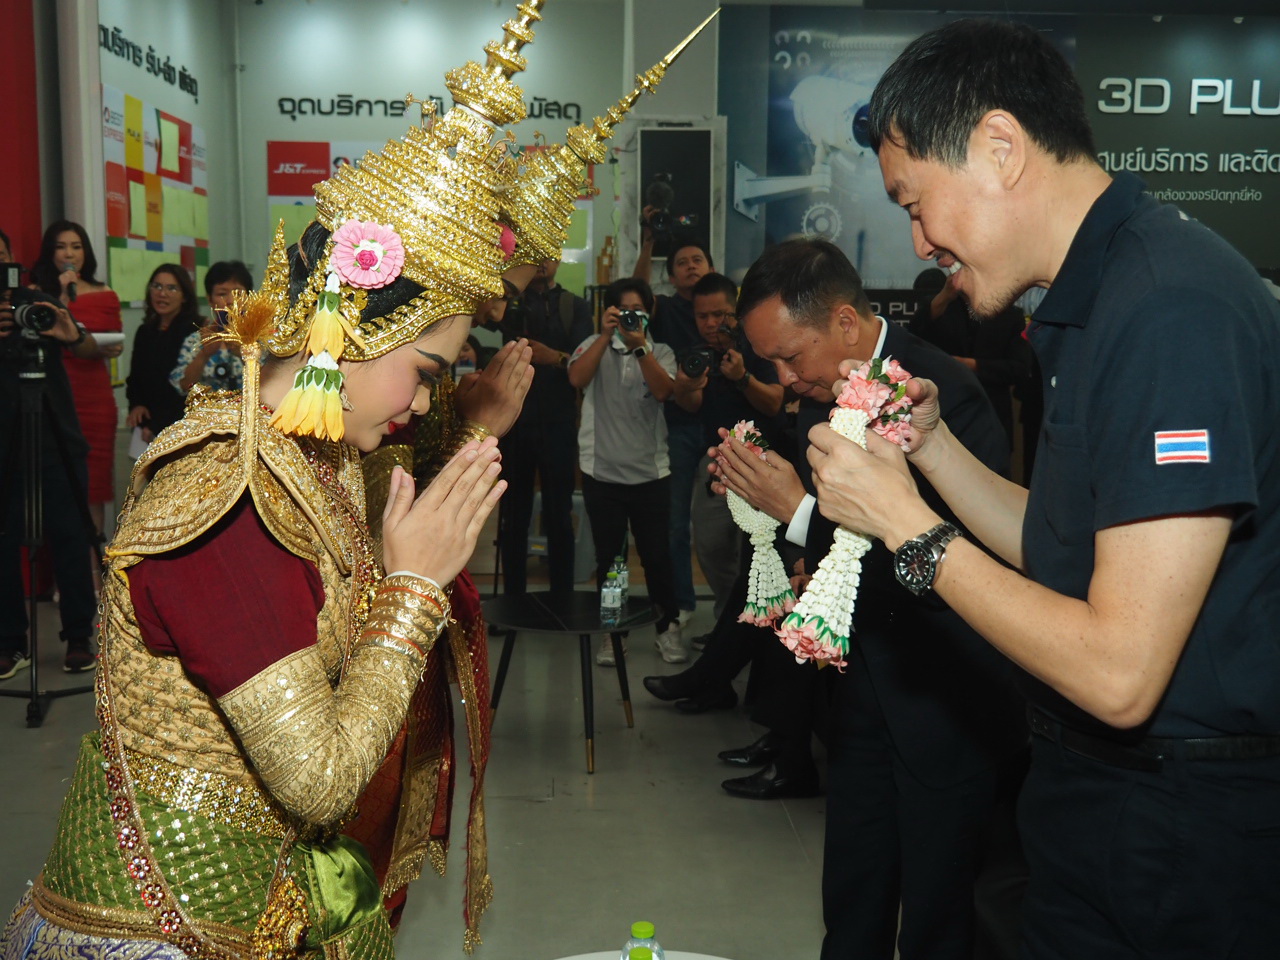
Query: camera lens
{"points": [[36, 317]]}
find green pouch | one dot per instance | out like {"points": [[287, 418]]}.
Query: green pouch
{"points": [[343, 889]]}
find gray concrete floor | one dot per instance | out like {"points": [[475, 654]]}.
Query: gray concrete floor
{"points": [[574, 858]]}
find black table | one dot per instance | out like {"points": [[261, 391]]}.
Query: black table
{"points": [[568, 613]]}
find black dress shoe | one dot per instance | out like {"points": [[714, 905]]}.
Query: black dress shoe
{"points": [[674, 686], [757, 754], [772, 784], [715, 698]]}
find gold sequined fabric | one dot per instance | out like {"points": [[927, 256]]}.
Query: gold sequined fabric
{"points": [[316, 748]]}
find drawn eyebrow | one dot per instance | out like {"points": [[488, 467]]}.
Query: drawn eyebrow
{"points": [[434, 357]]}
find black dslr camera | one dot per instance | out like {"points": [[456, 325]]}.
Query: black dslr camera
{"points": [[632, 320], [695, 361], [34, 312]]}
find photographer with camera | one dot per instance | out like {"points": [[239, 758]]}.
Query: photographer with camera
{"points": [[622, 449], [674, 325], [205, 357], [35, 330], [543, 440], [722, 381]]}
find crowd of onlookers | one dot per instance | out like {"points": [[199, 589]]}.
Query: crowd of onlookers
{"points": [[631, 399]]}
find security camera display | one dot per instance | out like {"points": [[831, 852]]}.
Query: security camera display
{"points": [[1178, 100]]}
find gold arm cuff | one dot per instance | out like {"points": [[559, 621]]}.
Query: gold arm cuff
{"points": [[408, 610], [314, 747]]}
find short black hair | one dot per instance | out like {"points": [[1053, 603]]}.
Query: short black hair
{"points": [[679, 243], [714, 283], [613, 293], [227, 271], [810, 276], [941, 85]]}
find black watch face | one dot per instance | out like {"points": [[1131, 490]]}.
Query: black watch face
{"points": [[914, 564]]}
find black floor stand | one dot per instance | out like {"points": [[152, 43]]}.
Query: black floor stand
{"points": [[29, 439]]}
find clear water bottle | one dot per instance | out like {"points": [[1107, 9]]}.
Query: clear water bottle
{"points": [[624, 577], [610, 600], [642, 945]]}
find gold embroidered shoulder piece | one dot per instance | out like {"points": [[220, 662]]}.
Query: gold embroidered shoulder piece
{"points": [[196, 470]]}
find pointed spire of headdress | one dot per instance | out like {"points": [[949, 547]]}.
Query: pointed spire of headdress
{"points": [[542, 203], [488, 90]]}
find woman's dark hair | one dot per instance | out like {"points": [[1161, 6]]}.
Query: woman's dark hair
{"points": [[613, 293], [189, 310], [811, 277], [227, 271], [304, 254], [680, 243], [45, 271], [714, 283], [941, 85]]}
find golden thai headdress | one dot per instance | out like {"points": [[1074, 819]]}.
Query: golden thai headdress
{"points": [[425, 207], [541, 204]]}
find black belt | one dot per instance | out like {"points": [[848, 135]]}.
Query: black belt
{"points": [[1150, 753]]}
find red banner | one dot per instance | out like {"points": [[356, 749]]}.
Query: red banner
{"points": [[294, 167]]}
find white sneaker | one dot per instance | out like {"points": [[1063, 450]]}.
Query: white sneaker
{"points": [[604, 656], [671, 645]]}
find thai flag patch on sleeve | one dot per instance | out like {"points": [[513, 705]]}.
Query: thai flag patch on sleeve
{"points": [[1182, 446]]}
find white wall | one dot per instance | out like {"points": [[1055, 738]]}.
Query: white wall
{"points": [[381, 49]]}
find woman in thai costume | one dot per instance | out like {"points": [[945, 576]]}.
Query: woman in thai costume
{"points": [[257, 664], [405, 813]]}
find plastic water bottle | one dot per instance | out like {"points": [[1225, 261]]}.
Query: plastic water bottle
{"points": [[624, 577], [610, 600], [642, 944]]}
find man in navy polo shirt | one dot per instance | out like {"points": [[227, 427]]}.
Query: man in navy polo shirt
{"points": [[1143, 590]]}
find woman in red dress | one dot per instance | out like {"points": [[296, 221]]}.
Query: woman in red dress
{"points": [[67, 268]]}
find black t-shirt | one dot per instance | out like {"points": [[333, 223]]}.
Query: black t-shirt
{"points": [[155, 353], [1160, 350], [58, 404], [724, 404], [674, 325], [541, 316]]}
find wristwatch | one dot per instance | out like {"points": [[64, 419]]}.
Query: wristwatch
{"points": [[639, 352], [915, 563], [563, 362], [741, 382]]}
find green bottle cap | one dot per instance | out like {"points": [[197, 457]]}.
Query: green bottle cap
{"points": [[640, 953], [611, 575], [642, 930]]}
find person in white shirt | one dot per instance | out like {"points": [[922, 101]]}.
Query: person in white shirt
{"points": [[622, 449]]}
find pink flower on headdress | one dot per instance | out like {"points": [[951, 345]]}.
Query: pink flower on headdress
{"points": [[508, 242], [367, 255]]}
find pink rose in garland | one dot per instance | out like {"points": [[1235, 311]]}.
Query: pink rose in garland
{"points": [[879, 389], [819, 627], [367, 254]]}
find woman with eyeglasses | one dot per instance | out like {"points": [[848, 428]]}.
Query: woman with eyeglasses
{"points": [[171, 316]]}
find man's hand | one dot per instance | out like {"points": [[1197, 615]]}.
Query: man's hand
{"points": [[732, 366], [869, 491], [544, 356], [494, 396], [770, 484], [686, 384], [609, 321], [137, 416], [646, 234], [632, 338], [926, 413]]}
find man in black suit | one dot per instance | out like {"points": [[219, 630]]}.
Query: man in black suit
{"points": [[928, 735]]}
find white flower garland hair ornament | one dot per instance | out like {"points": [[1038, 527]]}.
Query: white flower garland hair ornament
{"points": [[769, 594], [818, 629]]}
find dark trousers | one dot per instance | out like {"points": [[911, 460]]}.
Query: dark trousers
{"points": [[67, 540], [611, 507], [1176, 865], [548, 451], [685, 448], [894, 843]]}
